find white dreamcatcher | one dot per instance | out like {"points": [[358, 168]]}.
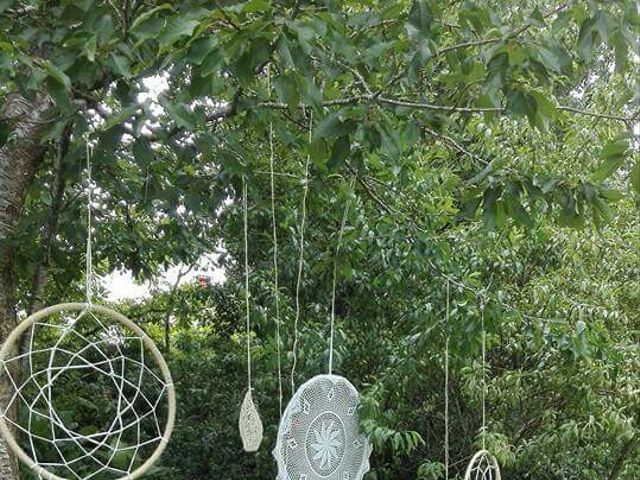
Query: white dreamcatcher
{"points": [[483, 465], [249, 423], [88, 390], [318, 436]]}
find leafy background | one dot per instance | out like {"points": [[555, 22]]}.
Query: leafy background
{"points": [[491, 146]]}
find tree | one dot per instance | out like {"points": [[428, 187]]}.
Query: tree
{"points": [[493, 110]]}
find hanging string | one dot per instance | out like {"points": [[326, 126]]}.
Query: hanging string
{"points": [[89, 251], [484, 379], [276, 286], [303, 222], [246, 276], [446, 389], [335, 279]]}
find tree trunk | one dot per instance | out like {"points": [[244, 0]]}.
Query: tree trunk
{"points": [[19, 159]]}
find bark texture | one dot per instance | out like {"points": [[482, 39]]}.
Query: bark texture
{"points": [[19, 160]]}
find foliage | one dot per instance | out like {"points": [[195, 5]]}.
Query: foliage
{"points": [[488, 145]]}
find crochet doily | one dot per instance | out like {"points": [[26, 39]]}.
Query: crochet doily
{"points": [[250, 425], [483, 466], [318, 437]]}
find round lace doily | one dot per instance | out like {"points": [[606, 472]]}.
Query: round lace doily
{"points": [[483, 466], [90, 395], [318, 437]]}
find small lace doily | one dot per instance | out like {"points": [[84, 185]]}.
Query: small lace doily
{"points": [[251, 429], [483, 466], [318, 437]]}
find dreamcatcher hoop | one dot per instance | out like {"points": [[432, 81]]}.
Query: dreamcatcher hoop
{"points": [[12, 343], [318, 437], [483, 466]]}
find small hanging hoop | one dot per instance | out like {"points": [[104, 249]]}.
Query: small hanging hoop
{"points": [[483, 466], [7, 356]]}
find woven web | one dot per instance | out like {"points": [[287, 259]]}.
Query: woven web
{"points": [[483, 467], [86, 403], [319, 434]]}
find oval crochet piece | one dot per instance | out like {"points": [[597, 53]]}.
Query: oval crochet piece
{"points": [[250, 425]]}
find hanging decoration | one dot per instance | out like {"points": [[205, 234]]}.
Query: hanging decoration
{"points": [[249, 423], [483, 465], [318, 437], [446, 383], [276, 276], [90, 394]]}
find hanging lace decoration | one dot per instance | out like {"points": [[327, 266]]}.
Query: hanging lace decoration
{"points": [[483, 466], [250, 425], [318, 437], [90, 395]]}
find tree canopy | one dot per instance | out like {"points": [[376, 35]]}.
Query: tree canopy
{"points": [[485, 146]]}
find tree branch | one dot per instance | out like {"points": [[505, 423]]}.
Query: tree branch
{"points": [[515, 33]]}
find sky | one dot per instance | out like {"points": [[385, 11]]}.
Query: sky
{"points": [[121, 285]]}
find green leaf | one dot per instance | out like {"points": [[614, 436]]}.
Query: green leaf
{"points": [[177, 27], [614, 155], [586, 40], [254, 6], [148, 14], [339, 152], [180, 114], [634, 177], [284, 52], [286, 88], [518, 212], [121, 65], [4, 4], [55, 73], [421, 17], [329, 127], [90, 47], [489, 208], [142, 152], [521, 103]]}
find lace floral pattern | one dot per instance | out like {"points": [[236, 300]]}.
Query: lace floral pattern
{"points": [[318, 438]]}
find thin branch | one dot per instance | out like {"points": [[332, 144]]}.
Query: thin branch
{"points": [[357, 99], [455, 145], [489, 41]]}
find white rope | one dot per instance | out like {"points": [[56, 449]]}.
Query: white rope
{"points": [[335, 281], [484, 379], [245, 223], [296, 333], [276, 286], [446, 389], [89, 251]]}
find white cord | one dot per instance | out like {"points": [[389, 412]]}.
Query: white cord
{"points": [[296, 333], [276, 286], [335, 281], [446, 390], [89, 251], [484, 379], [246, 276]]}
